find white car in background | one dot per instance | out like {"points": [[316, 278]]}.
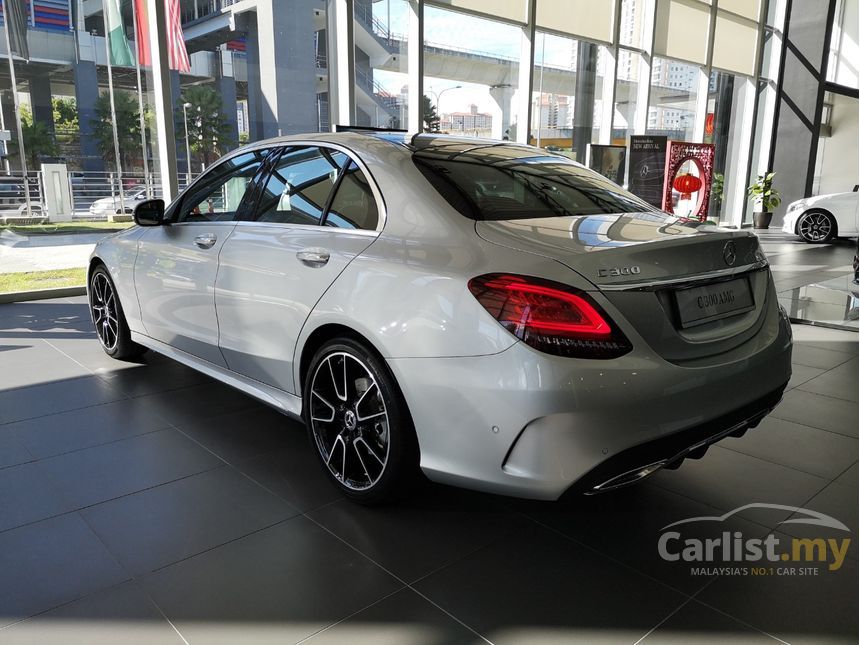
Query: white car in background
{"points": [[822, 218], [111, 205]]}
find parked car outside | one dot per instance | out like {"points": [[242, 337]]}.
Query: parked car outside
{"points": [[111, 205]]}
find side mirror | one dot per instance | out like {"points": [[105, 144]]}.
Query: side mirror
{"points": [[856, 186], [149, 213]]}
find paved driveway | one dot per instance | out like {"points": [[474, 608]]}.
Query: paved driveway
{"points": [[19, 253]]}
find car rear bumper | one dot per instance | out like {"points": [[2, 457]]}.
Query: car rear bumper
{"points": [[531, 425]]}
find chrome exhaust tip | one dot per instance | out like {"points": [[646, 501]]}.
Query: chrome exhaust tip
{"points": [[628, 477]]}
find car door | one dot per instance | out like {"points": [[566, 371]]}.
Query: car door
{"points": [[315, 212], [177, 263]]}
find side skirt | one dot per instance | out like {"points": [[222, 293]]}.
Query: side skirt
{"points": [[284, 402]]}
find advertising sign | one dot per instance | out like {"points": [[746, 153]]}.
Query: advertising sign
{"points": [[608, 161], [682, 159], [647, 164]]}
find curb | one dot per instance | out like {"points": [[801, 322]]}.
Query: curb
{"points": [[41, 294]]}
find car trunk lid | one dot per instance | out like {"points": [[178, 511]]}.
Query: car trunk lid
{"points": [[641, 262]]}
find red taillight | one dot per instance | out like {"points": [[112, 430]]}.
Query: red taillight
{"points": [[549, 316]]}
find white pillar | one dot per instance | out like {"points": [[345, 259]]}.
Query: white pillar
{"points": [[415, 67], [737, 170], [341, 62], [526, 77], [701, 106], [165, 137]]}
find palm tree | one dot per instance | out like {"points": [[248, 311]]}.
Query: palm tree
{"points": [[38, 140], [127, 127], [208, 127]]}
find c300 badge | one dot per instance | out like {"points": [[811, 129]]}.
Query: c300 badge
{"points": [[615, 272]]}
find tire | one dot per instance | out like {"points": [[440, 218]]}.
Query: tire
{"points": [[108, 317], [816, 227], [359, 425]]}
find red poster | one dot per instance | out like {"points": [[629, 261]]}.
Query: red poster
{"points": [[701, 155]]}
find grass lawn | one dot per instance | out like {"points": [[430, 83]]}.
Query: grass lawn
{"points": [[11, 282], [66, 227]]}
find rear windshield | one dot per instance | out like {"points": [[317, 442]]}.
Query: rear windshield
{"points": [[524, 188]]}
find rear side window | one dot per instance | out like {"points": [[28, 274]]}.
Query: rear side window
{"points": [[525, 188], [354, 205], [218, 196], [298, 187]]}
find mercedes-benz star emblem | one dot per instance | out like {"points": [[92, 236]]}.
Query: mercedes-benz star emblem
{"points": [[729, 253], [350, 420]]}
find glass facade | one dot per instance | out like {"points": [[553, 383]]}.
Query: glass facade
{"points": [[567, 93], [672, 106], [597, 73], [479, 99]]}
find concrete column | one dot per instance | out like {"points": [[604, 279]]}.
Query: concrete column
{"points": [[502, 95], [807, 33], [86, 93], [286, 90], [40, 101]]}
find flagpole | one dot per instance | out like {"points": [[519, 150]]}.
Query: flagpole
{"points": [[146, 177], [113, 109], [21, 154]]}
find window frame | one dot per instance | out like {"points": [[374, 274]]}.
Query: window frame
{"points": [[352, 157], [248, 199]]}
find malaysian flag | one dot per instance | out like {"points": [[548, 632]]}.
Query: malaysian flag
{"points": [[176, 52]]}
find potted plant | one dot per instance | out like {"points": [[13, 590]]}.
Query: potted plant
{"points": [[766, 198], [717, 192]]}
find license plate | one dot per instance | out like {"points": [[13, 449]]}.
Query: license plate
{"points": [[700, 305]]}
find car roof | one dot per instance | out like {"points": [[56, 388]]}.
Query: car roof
{"points": [[425, 145]]}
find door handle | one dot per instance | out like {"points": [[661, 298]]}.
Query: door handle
{"points": [[206, 241], [313, 257]]}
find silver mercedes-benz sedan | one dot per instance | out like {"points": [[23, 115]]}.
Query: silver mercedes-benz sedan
{"points": [[490, 314]]}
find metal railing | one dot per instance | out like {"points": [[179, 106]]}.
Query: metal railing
{"points": [[95, 195], [364, 78], [13, 200]]}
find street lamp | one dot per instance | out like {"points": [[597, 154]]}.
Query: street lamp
{"points": [[185, 107], [438, 95]]}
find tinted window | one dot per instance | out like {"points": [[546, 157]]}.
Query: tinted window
{"points": [[353, 205], [217, 197], [299, 185], [501, 189]]}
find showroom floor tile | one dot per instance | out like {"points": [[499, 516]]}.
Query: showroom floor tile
{"points": [[145, 503]]}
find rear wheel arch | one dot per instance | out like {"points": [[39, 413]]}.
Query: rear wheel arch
{"points": [[319, 337]]}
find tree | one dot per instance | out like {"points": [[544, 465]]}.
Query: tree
{"points": [[66, 118], [208, 127], [38, 139], [431, 119], [128, 127]]}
